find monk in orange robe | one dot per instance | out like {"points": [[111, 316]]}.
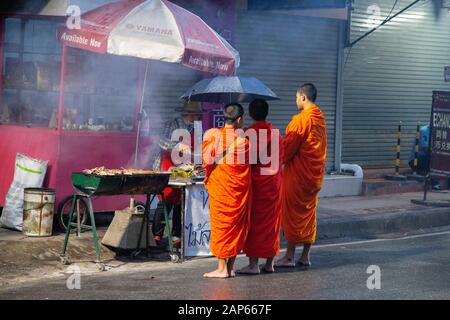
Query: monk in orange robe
{"points": [[305, 147], [263, 240], [228, 181]]}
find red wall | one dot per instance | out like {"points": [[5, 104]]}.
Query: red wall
{"points": [[69, 152]]}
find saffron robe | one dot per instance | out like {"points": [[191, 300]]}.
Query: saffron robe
{"points": [[229, 186], [263, 240], [305, 147]]}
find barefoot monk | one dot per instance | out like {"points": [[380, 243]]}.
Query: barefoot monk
{"points": [[305, 147], [228, 181], [263, 239]]}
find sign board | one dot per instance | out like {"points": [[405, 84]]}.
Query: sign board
{"points": [[197, 229], [440, 134], [218, 119]]}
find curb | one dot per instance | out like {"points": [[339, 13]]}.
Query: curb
{"points": [[384, 223]]}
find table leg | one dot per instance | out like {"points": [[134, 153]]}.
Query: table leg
{"points": [[94, 229], [147, 224], [78, 219], [183, 212], [166, 219], [71, 216]]}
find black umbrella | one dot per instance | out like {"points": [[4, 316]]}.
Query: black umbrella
{"points": [[229, 89]]}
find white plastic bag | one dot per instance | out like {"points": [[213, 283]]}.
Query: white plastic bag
{"points": [[28, 173]]}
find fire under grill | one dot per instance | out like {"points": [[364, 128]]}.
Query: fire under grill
{"points": [[120, 184]]}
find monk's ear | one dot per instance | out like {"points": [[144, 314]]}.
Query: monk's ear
{"points": [[240, 121]]}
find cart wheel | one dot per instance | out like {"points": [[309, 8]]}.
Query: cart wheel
{"points": [[174, 258], [62, 216], [140, 206], [65, 261], [101, 266]]}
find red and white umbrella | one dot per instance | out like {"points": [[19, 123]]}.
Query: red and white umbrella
{"points": [[156, 30]]}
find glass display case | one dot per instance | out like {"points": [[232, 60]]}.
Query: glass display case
{"points": [[30, 73], [97, 97], [100, 92]]}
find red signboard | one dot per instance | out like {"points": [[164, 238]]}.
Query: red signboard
{"points": [[440, 134]]}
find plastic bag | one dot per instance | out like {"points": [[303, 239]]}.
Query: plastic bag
{"points": [[28, 173]]}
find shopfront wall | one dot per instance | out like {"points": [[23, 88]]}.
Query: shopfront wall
{"points": [[285, 51], [100, 97], [389, 77]]}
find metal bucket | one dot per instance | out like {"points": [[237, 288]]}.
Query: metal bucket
{"points": [[38, 210]]}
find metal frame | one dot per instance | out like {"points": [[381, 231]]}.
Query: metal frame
{"points": [[79, 226], [145, 222]]}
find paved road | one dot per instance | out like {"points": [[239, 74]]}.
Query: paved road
{"points": [[417, 267]]}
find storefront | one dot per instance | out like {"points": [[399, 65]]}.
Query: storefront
{"points": [[81, 113], [97, 103]]}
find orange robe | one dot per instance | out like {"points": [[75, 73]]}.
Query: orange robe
{"points": [[305, 147], [263, 240], [229, 188]]}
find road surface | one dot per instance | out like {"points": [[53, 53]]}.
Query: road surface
{"points": [[415, 267]]}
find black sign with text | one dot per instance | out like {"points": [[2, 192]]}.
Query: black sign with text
{"points": [[440, 137]]}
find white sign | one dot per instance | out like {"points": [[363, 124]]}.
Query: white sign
{"points": [[447, 74], [197, 230]]}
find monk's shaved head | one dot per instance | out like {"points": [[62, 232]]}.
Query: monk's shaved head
{"points": [[232, 112], [309, 90]]}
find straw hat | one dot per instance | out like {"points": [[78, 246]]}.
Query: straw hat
{"points": [[190, 107]]}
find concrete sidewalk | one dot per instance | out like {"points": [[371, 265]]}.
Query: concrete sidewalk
{"points": [[23, 259], [370, 216]]}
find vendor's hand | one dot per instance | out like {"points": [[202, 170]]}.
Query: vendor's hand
{"points": [[185, 149]]}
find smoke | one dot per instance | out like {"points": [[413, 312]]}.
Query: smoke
{"points": [[102, 95]]}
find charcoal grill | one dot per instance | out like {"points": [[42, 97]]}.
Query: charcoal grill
{"points": [[89, 185], [98, 185]]}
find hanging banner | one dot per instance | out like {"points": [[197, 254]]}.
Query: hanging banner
{"points": [[197, 229], [440, 136]]}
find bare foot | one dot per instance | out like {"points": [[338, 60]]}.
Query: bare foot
{"points": [[269, 268], [304, 263], [217, 274], [285, 262], [249, 270]]}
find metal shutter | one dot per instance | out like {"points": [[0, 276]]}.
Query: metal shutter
{"points": [[166, 82], [389, 77], [285, 51]]}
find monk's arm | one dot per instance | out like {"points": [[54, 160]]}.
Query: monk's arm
{"points": [[291, 144], [296, 133]]}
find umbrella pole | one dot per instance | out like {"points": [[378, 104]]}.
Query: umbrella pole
{"points": [[140, 115]]}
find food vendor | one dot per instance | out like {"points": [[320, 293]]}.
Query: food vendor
{"points": [[189, 114]]}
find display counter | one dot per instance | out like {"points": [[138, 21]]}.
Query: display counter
{"points": [[196, 229]]}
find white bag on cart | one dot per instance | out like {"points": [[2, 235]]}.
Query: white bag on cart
{"points": [[28, 173]]}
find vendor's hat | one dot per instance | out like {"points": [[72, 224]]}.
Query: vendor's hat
{"points": [[190, 107]]}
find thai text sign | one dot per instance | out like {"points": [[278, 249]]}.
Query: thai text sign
{"points": [[197, 229], [440, 138]]}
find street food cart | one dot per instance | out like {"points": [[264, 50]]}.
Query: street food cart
{"points": [[42, 84], [68, 101]]}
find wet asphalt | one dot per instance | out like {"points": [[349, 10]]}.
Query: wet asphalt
{"points": [[410, 268]]}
